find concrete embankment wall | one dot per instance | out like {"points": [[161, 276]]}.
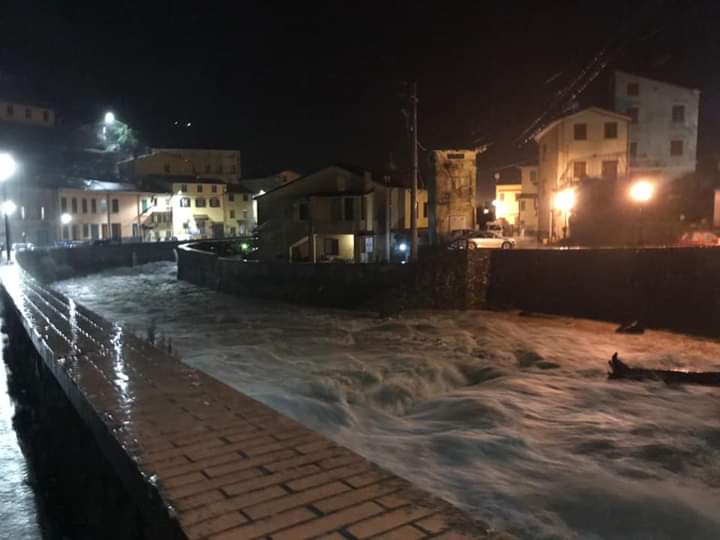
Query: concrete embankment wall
{"points": [[676, 289], [449, 280], [61, 263], [673, 288]]}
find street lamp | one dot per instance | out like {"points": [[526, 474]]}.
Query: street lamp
{"points": [[8, 166], [641, 191], [8, 208], [65, 219], [109, 118], [565, 202]]}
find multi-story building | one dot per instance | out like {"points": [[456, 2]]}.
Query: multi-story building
{"points": [[527, 224], [590, 143], [97, 210], [33, 115], [452, 195], [222, 165], [663, 126], [198, 209], [507, 203], [337, 213], [239, 211]]}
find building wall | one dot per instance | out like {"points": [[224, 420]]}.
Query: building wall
{"points": [[528, 205], [422, 208], [507, 202], [655, 128], [240, 218], [26, 114], [221, 164], [35, 219], [453, 196], [560, 151], [187, 222], [716, 209]]}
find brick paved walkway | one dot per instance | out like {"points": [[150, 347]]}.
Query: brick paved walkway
{"points": [[226, 466]]}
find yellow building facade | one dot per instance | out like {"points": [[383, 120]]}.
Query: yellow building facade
{"points": [[198, 209]]}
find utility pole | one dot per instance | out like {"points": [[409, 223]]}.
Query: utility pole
{"points": [[413, 195]]}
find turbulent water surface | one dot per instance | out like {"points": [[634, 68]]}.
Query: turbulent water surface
{"points": [[511, 418]]}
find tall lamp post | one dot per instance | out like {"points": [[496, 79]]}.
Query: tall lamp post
{"points": [[565, 202], [8, 166], [641, 192]]}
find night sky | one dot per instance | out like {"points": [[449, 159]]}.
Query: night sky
{"points": [[304, 84]]}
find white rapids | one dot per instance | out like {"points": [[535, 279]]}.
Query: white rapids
{"points": [[511, 418]]}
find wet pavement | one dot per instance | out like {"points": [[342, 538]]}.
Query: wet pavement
{"points": [[18, 509]]}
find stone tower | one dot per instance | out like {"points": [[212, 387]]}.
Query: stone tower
{"points": [[452, 195]]}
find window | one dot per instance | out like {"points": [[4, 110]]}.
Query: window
{"points": [[214, 202], [135, 230], [233, 231], [46, 116], [633, 149], [502, 196], [232, 214], [522, 206], [634, 114], [103, 208], [145, 204], [517, 197], [611, 130], [246, 197], [22, 212], [231, 197], [331, 246], [63, 204], [74, 205], [86, 230], [676, 148], [183, 188], [213, 188], [75, 232], [245, 214], [10, 110], [425, 209], [610, 169], [84, 205], [104, 230], [185, 202], [633, 89], [116, 230], [200, 202], [200, 188], [93, 206], [94, 231], [28, 113], [348, 209], [115, 205], [579, 169], [303, 212], [678, 114], [66, 232], [533, 177], [166, 168], [580, 132]]}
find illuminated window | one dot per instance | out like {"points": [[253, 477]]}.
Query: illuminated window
{"points": [[200, 188], [185, 202]]}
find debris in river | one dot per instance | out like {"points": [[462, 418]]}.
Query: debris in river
{"points": [[633, 327], [620, 370]]}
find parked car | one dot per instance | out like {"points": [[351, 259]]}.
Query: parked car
{"points": [[699, 239], [22, 246], [484, 240]]}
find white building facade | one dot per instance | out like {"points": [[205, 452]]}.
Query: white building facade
{"points": [[662, 139]]}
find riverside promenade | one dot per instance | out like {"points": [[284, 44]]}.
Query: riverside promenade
{"points": [[203, 461]]}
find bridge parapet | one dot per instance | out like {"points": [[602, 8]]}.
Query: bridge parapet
{"points": [[203, 460]]}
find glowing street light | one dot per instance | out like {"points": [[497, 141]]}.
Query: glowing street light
{"points": [[500, 209], [8, 166], [564, 202], [8, 208], [109, 118], [642, 191], [65, 219]]}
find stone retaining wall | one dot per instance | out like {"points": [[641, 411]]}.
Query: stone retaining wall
{"points": [[444, 279], [60, 263]]}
